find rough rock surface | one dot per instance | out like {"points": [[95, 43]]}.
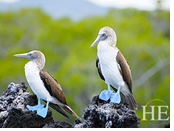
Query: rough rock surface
{"points": [[13, 111], [108, 115], [58, 125]]}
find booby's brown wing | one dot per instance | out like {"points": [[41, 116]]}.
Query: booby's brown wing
{"points": [[55, 90], [99, 69], [124, 69], [53, 86], [127, 77], [51, 83]]}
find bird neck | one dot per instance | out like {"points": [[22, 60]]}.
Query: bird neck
{"points": [[40, 63], [33, 64]]}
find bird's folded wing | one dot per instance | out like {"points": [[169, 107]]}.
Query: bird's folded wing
{"points": [[124, 69], [53, 86]]}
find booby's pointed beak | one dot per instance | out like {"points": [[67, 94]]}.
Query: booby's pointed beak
{"points": [[24, 55], [98, 39]]}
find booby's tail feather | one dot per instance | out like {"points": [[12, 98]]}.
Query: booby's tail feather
{"points": [[129, 99], [69, 110]]}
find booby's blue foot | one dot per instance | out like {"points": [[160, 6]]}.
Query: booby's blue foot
{"points": [[43, 112], [105, 95], [115, 97], [38, 106], [32, 108]]}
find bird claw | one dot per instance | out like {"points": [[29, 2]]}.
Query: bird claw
{"points": [[105, 95]]}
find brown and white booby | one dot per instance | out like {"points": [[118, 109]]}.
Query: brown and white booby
{"points": [[44, 85], [113, 69]]}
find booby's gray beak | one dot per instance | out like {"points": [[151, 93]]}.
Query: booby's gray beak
{"points": [[24, 55], [98, 39]]}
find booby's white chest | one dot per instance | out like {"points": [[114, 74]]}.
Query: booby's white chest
{"points": [[35, 82], [109, 66]]}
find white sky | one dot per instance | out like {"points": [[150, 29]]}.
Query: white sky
{"points": [[139, 4], [8, 1]]}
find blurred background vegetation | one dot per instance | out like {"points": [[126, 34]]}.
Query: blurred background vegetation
{"points": [[143, 37]]}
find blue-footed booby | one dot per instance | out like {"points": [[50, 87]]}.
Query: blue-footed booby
{"points": [[44, 85], [113, 69]]}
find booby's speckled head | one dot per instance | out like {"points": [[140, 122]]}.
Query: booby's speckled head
{"points": [[35, 56], [106, 34]]}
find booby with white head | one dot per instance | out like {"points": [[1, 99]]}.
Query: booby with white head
{"points": [[44, 85], [113, 69]]}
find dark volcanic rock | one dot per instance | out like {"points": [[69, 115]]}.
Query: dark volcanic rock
{"points": [[13, 111], [57, 125], [105, 115]]}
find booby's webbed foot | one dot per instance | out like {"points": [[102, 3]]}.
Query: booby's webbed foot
{"points": [[32, 108], [38, 106], [43, 111], [105, 95], [115, 97]]}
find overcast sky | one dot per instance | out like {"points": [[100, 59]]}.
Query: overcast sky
{"points": [[139, 4]]}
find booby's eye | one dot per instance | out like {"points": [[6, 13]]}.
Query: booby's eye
{"points": [[30, 55], [103, 36]]}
